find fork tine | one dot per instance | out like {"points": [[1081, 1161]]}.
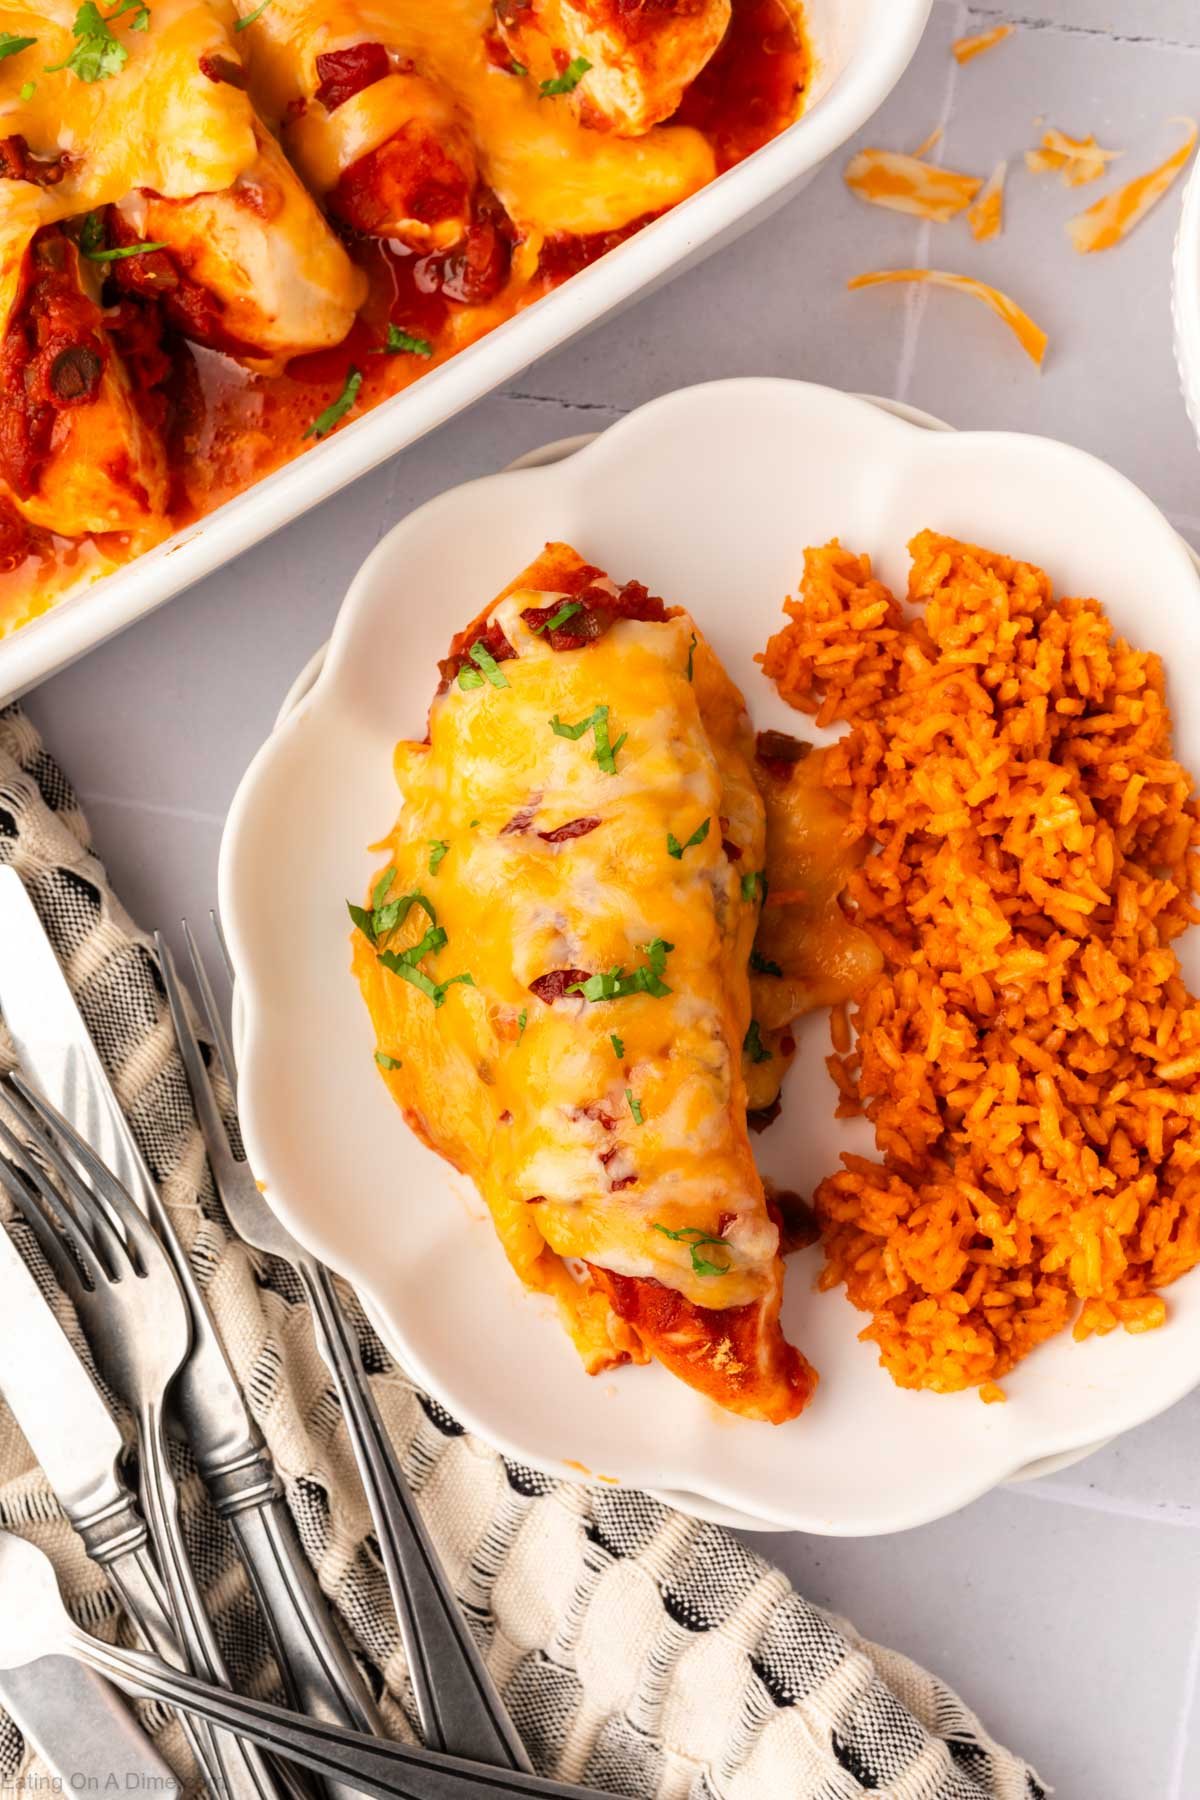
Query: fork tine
{"points": [[52, 1246], [105, 1200], [212, 1125], [212, 1013], [219, 930], [40, 1203], [81, 1208]]}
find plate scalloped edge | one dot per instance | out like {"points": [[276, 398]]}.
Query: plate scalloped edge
{"points": [[717, 1486]]}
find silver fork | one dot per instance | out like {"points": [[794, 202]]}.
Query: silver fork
{"points": [[458, 1707], [130, 1304]]}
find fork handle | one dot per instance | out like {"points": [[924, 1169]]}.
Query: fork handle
{"points": [[458, 1708], [385, 1770], [246, 1775], [319, 1671]]}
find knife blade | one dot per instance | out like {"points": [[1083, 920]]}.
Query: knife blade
{"points": [[83, 1731], [56, 1051], [67, 1424], [61, 1411]]}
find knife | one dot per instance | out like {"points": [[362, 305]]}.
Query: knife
{"points": [[55, 1049], [82, 1731], [67, 1424]]}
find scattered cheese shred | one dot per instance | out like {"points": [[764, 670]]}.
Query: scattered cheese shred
{"points": [[1114, 216], [926, 144], [985, 215], [965, 48], [1031, 337], [908, 185], [1077, 160]]}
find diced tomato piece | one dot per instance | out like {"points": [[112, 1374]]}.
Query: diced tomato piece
{"points": [[344, 73], [554, 984]]}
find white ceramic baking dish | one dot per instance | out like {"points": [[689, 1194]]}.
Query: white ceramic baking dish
{"points": [[861, 48]]}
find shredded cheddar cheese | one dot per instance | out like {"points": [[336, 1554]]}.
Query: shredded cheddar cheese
{"points": [[985, 215], [966, 48], [1115, 215], [926, 144], [1077, 160], [1031, 337], [908, 185]]}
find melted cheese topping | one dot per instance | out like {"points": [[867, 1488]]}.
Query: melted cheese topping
{"points": [[545, 1115], [552, 174], [159, 124]]}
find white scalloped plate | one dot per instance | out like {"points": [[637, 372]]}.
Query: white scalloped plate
{"points": [[710, 496]]}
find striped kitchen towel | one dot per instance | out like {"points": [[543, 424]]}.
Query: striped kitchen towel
{"points": [[639, 1651]]}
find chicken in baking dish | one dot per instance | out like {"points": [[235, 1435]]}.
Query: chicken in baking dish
{"points": [[223, 233], [556, 957]]}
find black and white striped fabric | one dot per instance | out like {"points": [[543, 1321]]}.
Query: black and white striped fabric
{"points": [[639, 1651]]}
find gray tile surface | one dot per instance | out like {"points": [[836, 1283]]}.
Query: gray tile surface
{"points": [[1068, 1612]]}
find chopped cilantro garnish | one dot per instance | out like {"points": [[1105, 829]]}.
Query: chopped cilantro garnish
{"points": [[606, 753], [618, 983], [120, 252], [753, 884], [381, 918], [618, 1045], [483, 659], [97, 53], [387, 1062], [575, 732], [401, 342], [753, 1045], [763, 964], [474, 823], [438, 848], [516, 68], [241, 24], [635, 1107], [28, 90], [597, 723], [676, 849], [336, 411], [691, 657], [568, 81], [695, 1239], [408, 971], [522, 1022], [12, 45], [560, 618]]}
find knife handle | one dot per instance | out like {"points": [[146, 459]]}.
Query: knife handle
{"points": [[126, 1557]]}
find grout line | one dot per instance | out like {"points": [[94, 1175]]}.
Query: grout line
{"points": [[1090, 1500], [1034, 22], [603, 406], [1187, 1718], [918, 295], [188, 813]]}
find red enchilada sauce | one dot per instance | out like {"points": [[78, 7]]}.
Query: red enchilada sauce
{"points": [[225, 427]]}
